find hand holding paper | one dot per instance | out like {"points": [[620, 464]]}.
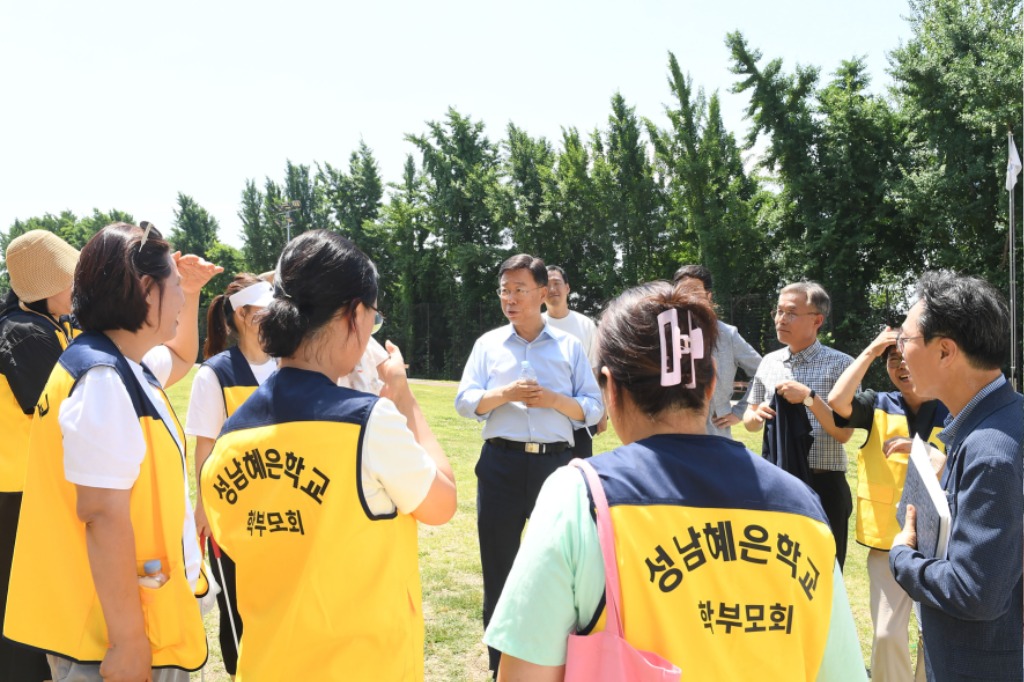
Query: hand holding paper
{"points": [[908, 536]]}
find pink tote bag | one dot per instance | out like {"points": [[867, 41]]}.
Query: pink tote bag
{"points": [[605, 656]]}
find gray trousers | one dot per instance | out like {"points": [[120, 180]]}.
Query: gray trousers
{"points": [[66, 670]]}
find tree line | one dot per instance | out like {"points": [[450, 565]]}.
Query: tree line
{"points": [[856, 189]]}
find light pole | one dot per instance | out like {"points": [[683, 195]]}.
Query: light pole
{"points": [[286, 211]]}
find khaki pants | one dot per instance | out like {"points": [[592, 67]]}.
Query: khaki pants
{"points": [[890, 615]]}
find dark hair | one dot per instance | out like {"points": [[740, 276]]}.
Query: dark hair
{"points": [[108, 292], [524, 261], [11, 300], [694, 272], [559, 270], [220, 318], [319, 274], [968, 310], [629, 345]]}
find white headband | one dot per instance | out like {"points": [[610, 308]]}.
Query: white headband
{"points": [[259, 294]]}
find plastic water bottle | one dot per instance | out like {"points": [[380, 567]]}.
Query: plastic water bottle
{"points": [[526, 373], [155, 577]]}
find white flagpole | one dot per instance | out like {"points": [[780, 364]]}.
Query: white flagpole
{"points": [[1011, 180]]}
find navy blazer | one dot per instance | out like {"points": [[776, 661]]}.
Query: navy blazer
{"points": [[971, 602]]}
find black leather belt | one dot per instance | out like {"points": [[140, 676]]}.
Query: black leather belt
{"points": [[531, 448]]}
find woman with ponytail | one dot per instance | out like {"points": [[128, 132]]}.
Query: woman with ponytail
{"points": [[726, 564], [222, 384], [315, 489]]}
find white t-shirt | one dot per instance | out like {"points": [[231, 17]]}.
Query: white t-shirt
{"points": [[396, 470], [580, 326], [103, 441], [364, 377], [206, 411]]}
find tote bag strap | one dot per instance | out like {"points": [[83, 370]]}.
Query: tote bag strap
{"points": [[606, 537]]}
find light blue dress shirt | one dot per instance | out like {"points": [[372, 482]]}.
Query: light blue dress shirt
{"points": [[561, 365]]}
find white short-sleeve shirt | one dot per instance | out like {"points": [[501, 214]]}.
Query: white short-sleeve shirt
{"points": [[364, 376], [206, 412], [396, 470], [103, 441]]}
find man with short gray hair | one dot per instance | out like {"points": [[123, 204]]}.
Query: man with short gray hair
{"points": [[804, 372]]}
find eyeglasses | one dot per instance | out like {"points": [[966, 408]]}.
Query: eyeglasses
{"points": [[787, 316], [378, 320], [901, 341], [516, 293], [556, 285]]}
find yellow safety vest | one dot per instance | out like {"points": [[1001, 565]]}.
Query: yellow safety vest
{"points": [[237, 382], [325, 589], [880, 479], [52, 603], [14, 423], [726, 562]]}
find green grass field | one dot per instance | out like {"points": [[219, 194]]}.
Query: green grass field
{"points": [[450, 563]]}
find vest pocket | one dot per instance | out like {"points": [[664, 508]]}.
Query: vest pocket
{"points": [[876, 493], [162, 613]]}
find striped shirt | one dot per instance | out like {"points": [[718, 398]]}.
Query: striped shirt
{"points": [[818, 367]]}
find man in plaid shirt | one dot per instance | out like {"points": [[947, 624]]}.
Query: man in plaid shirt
{"points": [[803, 373]]}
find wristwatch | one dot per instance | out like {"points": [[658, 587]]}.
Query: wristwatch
{"points": [[809, 400]]}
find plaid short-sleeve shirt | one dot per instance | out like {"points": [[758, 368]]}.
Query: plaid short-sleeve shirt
{"points": [[817, 367]]}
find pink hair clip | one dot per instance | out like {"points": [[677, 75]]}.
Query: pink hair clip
{"points": [[675, 344]]}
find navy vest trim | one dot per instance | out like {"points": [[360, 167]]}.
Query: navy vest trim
{"points": [[930, 414], [232, 369], [701, 471], [93, 349], [298, 395]]}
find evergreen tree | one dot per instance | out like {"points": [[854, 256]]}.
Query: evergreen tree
{"points": [[194, 230], [261, 238], [958, 85], [524, 196], [836, 153], [586, 228], [461, 168], [632, 198], [416, 267]]}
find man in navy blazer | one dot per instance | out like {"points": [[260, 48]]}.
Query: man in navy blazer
{"points": [[954, 341]]}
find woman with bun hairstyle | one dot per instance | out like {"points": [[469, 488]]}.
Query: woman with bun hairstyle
{"points": [[106, 493], [227, 378], [726, 563], [315, 489], [35, 328]]}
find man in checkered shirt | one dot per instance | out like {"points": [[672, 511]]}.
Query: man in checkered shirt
{"points": [[803, 373]]}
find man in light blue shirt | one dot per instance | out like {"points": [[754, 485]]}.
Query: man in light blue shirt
{"points": [[528, 429]]}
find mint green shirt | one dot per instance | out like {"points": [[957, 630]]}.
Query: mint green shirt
{"points": [[557, 582]]}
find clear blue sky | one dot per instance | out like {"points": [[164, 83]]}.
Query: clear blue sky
{"points": [[117, 104]]}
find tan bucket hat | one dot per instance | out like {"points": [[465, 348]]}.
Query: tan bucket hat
{"points": [[40, 265]]}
